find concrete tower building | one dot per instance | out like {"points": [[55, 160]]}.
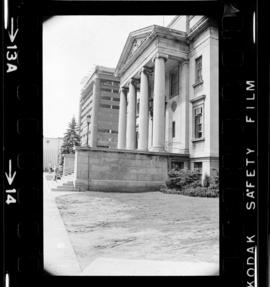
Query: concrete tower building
{"points": [[100, 103]]}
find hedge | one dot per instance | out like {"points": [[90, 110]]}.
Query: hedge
{"points": [[188, 182]]}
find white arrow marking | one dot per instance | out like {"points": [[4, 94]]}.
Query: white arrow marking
{"points": [[6, 13], [10, 177], [12, 35]]}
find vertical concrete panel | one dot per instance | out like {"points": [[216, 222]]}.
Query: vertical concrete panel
{"points": [[205, 169], [68, 167], [94, 119], [76, 164], [214, 97]]}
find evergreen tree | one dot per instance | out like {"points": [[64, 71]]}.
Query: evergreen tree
{"points": [[71, 139]]}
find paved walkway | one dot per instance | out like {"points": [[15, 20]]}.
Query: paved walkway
{"points": [[126, 267], [59, 257]]}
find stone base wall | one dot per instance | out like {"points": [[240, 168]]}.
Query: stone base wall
{"points": [[68, 166], [121, 170]]}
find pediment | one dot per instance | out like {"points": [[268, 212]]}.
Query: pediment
{"points": [[135, 40], [139, 40]]}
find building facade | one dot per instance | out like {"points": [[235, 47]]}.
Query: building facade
{"points": [[169, 93], [51, 152], [99, 108]]}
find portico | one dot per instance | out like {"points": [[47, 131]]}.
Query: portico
{"points": [[145, 64]]}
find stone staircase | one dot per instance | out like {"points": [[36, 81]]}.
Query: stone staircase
{"points": [[65, 184]]}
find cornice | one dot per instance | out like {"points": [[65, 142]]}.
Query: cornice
{"points": [[128, 45], [199, 27], [155, 32], [174, 20], [198, 98], [151, 33], [97, 71]]}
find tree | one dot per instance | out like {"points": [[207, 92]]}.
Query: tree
{"points": [[71, 139]]}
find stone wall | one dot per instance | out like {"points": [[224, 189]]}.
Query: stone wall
{"points": [[120, 170], [68, 166]]}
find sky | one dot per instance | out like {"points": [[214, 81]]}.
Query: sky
{"points": [[72, 45]]}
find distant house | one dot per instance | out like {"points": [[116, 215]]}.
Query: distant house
{"points": [[51, 151]]}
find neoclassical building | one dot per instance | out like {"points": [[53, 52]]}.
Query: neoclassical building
{"points": [[169, 93]]}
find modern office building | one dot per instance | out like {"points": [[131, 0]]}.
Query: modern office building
{"points": [[99, 108], [175, 70]]}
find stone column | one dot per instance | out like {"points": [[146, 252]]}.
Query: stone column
{"points": [[159, 104], [93, 127], [121, 144], [131, 117], [144, 111], [186, 103], [168, 129], [150, 133]]}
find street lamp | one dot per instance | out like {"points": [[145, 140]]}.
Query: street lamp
{"points": [[88, 118]]}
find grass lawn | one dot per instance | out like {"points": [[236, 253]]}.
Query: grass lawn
{"points": [[150, 225]]}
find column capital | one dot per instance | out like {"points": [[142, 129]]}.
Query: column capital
{"points": [[160, 55], [185, 62], [134, 82], [146, 70], [123, 89]]}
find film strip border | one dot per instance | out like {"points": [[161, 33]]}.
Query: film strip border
{"points": [[22, 146], [238, 144], [263, 111], [22, 194]]}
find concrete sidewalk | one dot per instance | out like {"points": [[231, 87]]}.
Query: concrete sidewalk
{"points": [[59, 257], [127, 267]]}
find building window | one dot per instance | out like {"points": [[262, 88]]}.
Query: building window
{"points": [[173, 129], [115, 107], [104, 130], [108, 131], [198, 166], [106, 98], [177, 165], [106, 83], [198, 70], [105, 106], [174, 83], [106, 90], [198, 122]]}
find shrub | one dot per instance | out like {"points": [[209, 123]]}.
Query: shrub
{"points": [[183, 178], [188, 182]]}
